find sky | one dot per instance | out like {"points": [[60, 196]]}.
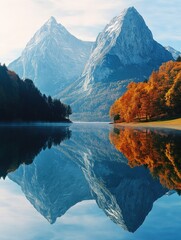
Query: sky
{"points": [[20, 19]]}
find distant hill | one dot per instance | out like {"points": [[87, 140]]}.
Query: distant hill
{"points": [[22, 101]]}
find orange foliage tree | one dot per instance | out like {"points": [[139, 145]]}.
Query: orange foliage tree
{"points": [[157, 98]]}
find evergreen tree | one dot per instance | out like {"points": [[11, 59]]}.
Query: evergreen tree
{"points": [[22, 101], [179, 59]]}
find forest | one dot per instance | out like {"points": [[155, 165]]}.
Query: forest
{"points": [[20, 101], [156, 98]]}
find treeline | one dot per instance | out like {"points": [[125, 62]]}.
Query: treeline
{"points": [[157, 98], [22, 101]]}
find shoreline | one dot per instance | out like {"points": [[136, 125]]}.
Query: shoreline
{"points": [[170, 124]]}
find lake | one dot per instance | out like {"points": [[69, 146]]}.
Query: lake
{"points": [[89, 181]]}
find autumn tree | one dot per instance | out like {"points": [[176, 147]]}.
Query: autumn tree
{"points": [[159, 97]]}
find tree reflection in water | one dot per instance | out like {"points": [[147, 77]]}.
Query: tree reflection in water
{"points": [[22, 144], [158, 150]]}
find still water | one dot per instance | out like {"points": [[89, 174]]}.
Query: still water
{"points": [[89, 182]]}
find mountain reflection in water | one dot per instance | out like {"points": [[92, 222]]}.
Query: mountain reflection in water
{"points": [[158, 150], [85, 166]]}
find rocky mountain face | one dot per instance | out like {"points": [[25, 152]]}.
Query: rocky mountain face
{"points": [[88, 167], [53, 58], [124, 51], [175, 53]]}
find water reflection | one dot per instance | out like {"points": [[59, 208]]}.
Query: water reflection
{"points": [[157, 150], [22, 144], [87, 167]]}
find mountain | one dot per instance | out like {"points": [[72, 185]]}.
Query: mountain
{"points": [[175, 53], [124, 51], [53, 58]]}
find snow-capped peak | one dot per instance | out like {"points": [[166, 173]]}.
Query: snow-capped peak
{"points": [[52, 20], [123, 37], [175, 53], [52, 24], [116, 22], [53, 58], [114, 28]]}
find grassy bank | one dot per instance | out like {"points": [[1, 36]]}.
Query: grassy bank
{"points": [[173, 124]]}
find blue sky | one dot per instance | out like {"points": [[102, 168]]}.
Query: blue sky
{"points": [[20, 19]]}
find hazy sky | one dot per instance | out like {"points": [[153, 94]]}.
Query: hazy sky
{"points": [[20, 19]]}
